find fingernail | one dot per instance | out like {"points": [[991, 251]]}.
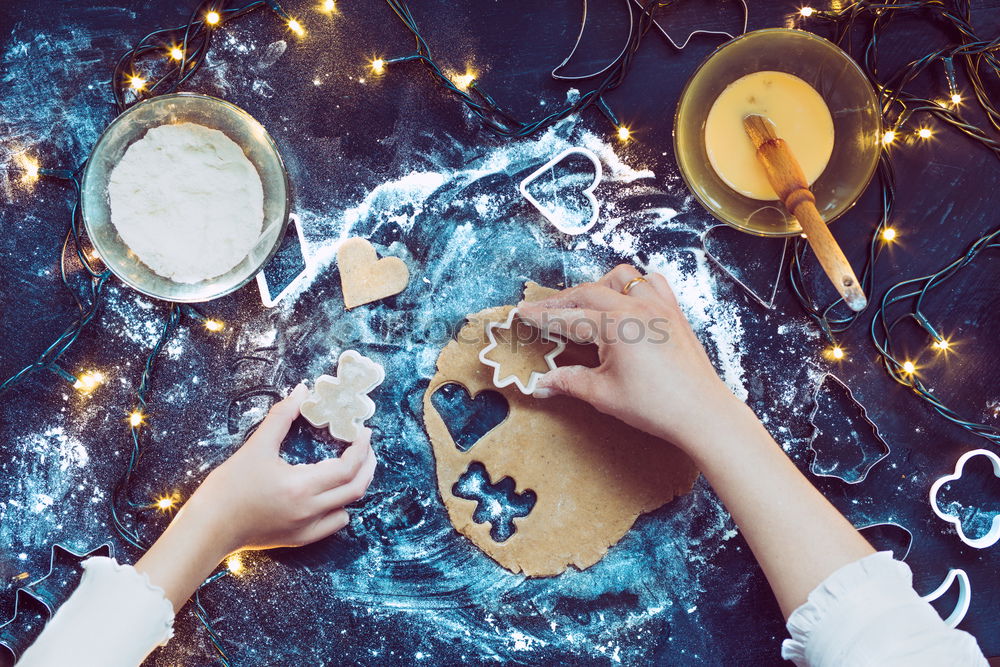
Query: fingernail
{"points": [[300, 389], [542, 392]]}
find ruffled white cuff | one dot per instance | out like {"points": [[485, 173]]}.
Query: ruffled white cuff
{"points": [[115, 617], [867, 613]]}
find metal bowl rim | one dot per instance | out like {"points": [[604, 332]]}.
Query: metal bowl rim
{"points": [[270, 143]]}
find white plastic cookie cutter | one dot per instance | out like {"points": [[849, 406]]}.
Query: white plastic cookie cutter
{"points": [[990, 538], [501, 382], [964, 595], [588, 192], [341, 403]]}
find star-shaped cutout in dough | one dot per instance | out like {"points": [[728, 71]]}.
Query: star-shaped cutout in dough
{"points": [[515, 359], [341, 403]]}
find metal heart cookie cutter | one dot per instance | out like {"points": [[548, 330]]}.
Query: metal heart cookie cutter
{"points": [[991, 537], [588, 192], [501, 382]]}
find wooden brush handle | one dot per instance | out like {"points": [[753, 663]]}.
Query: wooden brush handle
{"points": [[786, 177]]}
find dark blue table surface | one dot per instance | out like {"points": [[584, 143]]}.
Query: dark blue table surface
{"points": [[397, 160]]}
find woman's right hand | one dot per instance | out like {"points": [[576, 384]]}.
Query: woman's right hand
{"points": [[654, 374]]}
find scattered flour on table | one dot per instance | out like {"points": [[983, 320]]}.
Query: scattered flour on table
{"points": [[187, 201]]}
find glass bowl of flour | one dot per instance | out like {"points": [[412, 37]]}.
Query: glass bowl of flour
{"points": [[185, 197]]}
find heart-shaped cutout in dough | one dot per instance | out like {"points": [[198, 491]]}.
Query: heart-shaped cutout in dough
{"points": [[364, 277]]}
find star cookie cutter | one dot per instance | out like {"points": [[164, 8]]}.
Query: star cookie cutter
{"points": [[712, 257], [588, 192], [964, 595], [43, 597], [501, 382], [866, 466], [993, 535], [348, 391]]}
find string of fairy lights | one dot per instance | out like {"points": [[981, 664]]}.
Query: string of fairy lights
{"points": [[905, 116], [164, 60]]}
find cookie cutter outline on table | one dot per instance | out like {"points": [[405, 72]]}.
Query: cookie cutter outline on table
{"points": [[880, 524], [964, 584], [262, 286], [631, 29], [964, 595], [866, 467], [691, 35], [993, 535], [770, 304], [500, 383], [106, 549], [588, 192]]}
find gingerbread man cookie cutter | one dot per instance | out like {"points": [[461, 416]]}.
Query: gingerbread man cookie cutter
{"points": [[993, 535], [588, 192], [503, 381], [341, 403]]}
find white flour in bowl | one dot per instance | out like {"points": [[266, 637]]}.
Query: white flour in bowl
{"points": [[187, 202]]}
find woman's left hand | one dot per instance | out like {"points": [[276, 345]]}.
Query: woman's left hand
{"points": [[256, 500]]}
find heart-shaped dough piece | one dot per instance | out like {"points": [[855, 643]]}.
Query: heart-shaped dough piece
{"points": [[364, 277]]}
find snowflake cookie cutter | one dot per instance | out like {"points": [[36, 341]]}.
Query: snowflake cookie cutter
{"points": [[712, 257], [501, 382], [37, 594], [993, 535], [866, 466], [347, 393], [588, 192]]}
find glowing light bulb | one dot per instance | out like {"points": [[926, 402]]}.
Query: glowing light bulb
{"points": [[88, 381], [624, 134], [296, 27], [942, 344], [214, 325], [234, 564], [888, 234], [806, 12], [909, 368], [328, 6], [136, 82], [212, 18], [165, 503], [378, 65], [29, 168], [924, 133], [176, 53], [888, 137], [956, 99], [463, 81], [837, 352], [136, 419]]}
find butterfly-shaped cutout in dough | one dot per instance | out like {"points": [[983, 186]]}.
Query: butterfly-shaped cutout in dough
{"points": [[341, 403]]}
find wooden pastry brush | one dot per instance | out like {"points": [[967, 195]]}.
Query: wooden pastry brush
{"points": [[786, 177]]}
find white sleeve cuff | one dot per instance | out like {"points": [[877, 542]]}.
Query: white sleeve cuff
{"points": [[867, 613], [115, 617]]}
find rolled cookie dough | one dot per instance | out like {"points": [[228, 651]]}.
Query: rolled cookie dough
{"points": [[592, 474]]}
